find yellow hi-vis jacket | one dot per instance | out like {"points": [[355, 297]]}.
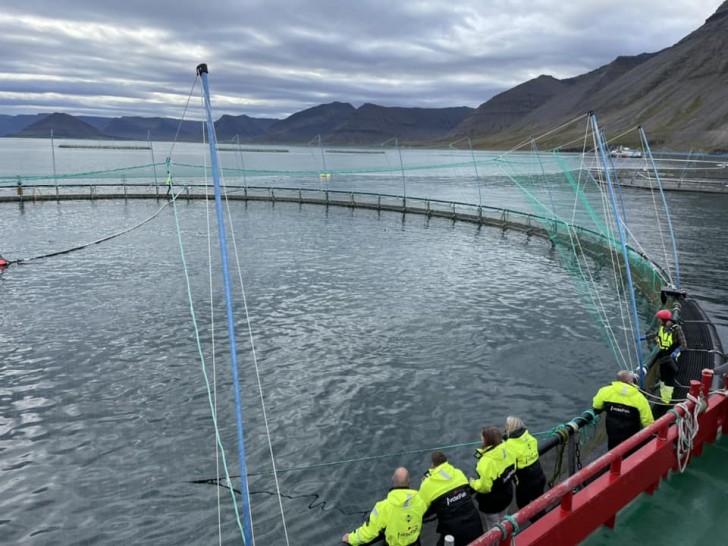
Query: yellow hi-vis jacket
{"points": [[524, 449], [626, 395], [440, 480], [495, 464], [398, 518]]}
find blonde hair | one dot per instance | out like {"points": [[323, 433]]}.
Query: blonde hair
{"points": [[513, 423]]}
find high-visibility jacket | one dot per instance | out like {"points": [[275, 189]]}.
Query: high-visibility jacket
{"points": [[496, 467], [530, 479], [398, 518], [670, 338], [627, 410], [446, 492]]}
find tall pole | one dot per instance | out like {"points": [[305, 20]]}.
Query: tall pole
{"points": [[625, 252], [154, 165], [53, 155], [475, 166], [244, 493], [646, 144], [401, 166], [242, 162]]}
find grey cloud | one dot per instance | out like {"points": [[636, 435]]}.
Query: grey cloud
{"points": [[286, 55]]}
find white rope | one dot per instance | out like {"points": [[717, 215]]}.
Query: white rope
{"points": [[255, 364], [212, 326], [687, 427]]}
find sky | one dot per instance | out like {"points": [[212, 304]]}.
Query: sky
{"points": [[273, 58]]}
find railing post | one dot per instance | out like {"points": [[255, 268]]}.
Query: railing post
{"points": [[706, 381], [567, 501], [615, 469]]}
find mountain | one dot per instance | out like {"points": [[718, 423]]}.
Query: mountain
{"points": [[677, 95], [137, 128], [243, 127], [305, 126], [63, 126], [14, 124], [371, 124]]}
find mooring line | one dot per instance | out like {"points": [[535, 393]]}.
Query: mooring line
{"points": [[316, 504], [81, 247]]}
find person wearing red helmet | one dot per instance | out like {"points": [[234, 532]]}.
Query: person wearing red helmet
{"points": [[671, 342]]}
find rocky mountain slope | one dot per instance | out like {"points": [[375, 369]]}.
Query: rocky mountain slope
{"points": [[677, 95]]}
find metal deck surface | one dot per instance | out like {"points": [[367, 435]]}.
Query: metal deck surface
{"points": [[687, 509]]}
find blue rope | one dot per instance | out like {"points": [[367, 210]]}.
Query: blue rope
{"points": [[622, 238], [244, 493]]}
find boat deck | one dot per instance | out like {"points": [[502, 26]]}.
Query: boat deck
{"points": [[687, 509]]}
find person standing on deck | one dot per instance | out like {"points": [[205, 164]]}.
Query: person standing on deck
{"points": [[396, 519], [671, 341], [530, 479], [627, 408], [494, 486], [446, 493]]}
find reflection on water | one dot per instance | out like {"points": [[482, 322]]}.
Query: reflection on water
{"points": [[374, 334]]}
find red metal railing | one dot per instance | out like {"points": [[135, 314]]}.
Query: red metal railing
{"points": [[580, 513]]}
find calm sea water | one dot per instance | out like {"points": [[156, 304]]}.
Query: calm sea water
{"points": [[374, 334]]}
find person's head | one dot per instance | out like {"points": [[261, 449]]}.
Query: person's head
{"points": [[401, 478], [491, 436], [513, 423], [664, 315], [437, 458], [625, 376]]}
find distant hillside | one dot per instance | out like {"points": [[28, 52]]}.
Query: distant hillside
{"points": [[243, 127], [137, 128], [63, 126], [14, 124], [302, 127], [677, 95], [372, 124]]}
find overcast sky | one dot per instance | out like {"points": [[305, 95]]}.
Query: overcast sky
{"points": [[272, 58]]}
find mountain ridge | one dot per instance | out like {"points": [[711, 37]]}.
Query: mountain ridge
{"points": [[677, 94]]}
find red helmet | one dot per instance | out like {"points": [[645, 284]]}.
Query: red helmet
{"points": [[664, 314]]}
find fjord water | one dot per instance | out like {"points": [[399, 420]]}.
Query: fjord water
{"points": [[374, 334]]}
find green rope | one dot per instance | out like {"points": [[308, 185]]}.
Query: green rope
{"points": [[218, 439], [558, 429], [512, 521]]}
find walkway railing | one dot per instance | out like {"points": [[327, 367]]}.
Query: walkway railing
{"points": [[593, 496], [649, 277]]}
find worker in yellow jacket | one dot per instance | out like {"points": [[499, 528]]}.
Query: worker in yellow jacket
{"points": [[627, 408], [496, 468], [530, 479], [397, 519], [447, 494]]}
